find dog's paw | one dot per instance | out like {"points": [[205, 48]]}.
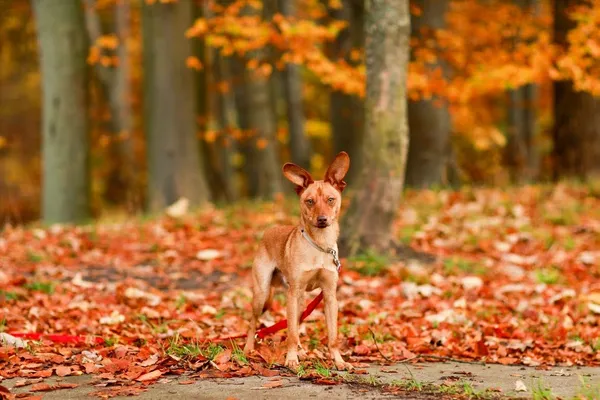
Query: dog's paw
{"points": [[343, 366], [291, 361], [302, 355]]}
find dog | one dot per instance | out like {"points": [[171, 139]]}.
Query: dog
{"points": [[303, 258]]}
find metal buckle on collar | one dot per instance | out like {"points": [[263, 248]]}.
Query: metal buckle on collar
{"points": [[336, 260]]}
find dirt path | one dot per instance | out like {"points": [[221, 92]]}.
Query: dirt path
{"points": [[436, 380]]}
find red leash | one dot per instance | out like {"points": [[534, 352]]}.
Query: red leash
{"points": [[266, 331]]}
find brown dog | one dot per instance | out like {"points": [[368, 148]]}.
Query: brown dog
{"points": [[303, 257]]}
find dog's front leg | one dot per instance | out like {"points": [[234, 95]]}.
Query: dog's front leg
{"points": [[331, 314], [293, 339]]}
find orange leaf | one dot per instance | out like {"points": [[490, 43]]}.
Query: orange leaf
{"points": [[63, 370], [273, 384], [262, 143], [150, 376], [193, 63], [41, 387], [108, 41]]}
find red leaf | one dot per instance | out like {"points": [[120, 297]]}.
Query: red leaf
{"points": [[361, 350], [508, 360], [273, 384], [5, 393], [63, 370], [150, 376], [223, 357], [66, 385], [41, 387]]}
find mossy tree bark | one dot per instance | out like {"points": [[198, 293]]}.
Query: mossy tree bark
{"points": [[174, 165], [65, 144], [428, 119], [368, 223]]}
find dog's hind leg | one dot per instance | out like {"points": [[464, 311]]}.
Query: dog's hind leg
{"points": [[262, 273]]}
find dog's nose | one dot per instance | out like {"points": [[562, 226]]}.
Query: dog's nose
{"points": [[321, 219]]}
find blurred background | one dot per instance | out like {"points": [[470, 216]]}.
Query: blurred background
{"points": [[205, 99]]}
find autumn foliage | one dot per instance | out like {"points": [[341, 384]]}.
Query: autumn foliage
{"points": [[497, 276]]}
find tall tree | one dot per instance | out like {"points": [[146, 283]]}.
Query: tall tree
{"points": [[174, 165], [65, 145], [521, 154], [576, 114], [347, 111], [369, 220], [122, 185], [253, 97], [292, 85], [428, 119], [225, 105]]}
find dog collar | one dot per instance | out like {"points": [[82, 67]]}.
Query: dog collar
{"points": [[329, 250]]}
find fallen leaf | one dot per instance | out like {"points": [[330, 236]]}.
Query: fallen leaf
{"points": [[5, 393], [10, 340], [361, 350], [41, 387], [66, 385], [208, 254], [113, 319], [63, 370], [178, 209], [153, 359], [273, 384], [150, 376], [223, 357], [520, 386]]}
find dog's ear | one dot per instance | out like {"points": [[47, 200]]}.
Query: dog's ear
{"points": [[337, 170], [298, 176]]}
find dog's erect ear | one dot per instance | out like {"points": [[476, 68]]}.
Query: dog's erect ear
{"points": [[298, 176], [337, 170]]}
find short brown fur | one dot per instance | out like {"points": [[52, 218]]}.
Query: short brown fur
{"points": [[285, 255]]}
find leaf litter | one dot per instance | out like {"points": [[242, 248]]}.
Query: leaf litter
{"points": [[509, 283]]}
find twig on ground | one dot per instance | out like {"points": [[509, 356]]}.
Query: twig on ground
{"points": [[377, 346]]}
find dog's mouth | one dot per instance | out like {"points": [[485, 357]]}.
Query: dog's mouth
{"points": [[322, 225]]}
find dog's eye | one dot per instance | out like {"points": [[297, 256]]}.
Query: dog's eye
{"points": [[331, 200], [310, 202]]}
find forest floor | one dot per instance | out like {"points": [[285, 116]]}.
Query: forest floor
{"points": [[509, 277]]}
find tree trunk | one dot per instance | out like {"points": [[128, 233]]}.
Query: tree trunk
{"points": [[263, 144], [256, 114], [346, 111], [428, 119], [123, 187], [369, 221], [225, 105], [205, 105], [521, 153], [175, 168], [576, 114], [65, 146], [299, 142], [243, 122]]}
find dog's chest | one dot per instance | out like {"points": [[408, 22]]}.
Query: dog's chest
{"points": [[314, 261]]}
